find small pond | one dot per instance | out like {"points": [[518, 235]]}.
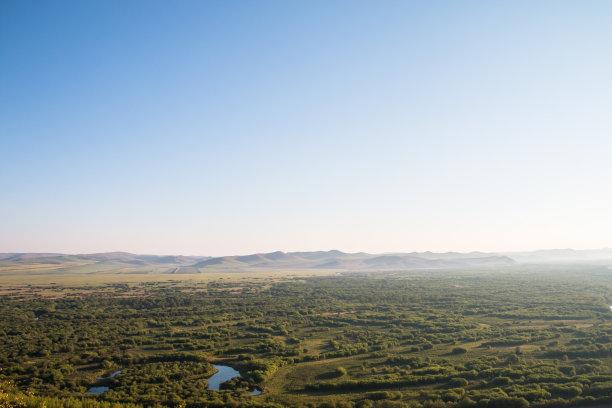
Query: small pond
{"points": [[97, 390]]}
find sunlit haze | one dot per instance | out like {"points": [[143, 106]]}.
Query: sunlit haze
{"points": [[235, 127]]}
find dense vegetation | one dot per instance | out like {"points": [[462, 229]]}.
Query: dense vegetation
{"points": [[427, 339]]}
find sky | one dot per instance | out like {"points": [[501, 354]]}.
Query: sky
{"points": [[234, 127]]}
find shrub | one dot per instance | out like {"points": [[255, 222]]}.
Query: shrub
{"points": [[458, 382], [378, 395]]}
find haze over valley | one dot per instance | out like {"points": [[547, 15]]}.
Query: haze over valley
{"points": [[123, 262]]}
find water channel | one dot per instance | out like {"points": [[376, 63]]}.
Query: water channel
{"points": [[101, 389], [224, 373]]}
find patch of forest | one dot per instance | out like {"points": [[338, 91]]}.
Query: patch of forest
{"points": [[427, 339]]}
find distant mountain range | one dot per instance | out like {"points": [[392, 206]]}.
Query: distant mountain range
{"points": [[336, 260], [119, 257], [345, 261]]}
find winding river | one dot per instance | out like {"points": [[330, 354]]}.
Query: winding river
{"points": [[224, 374], [101, 389]]}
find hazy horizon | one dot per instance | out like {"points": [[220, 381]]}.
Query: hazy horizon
{"points": [[315, 250], [216, 128]]}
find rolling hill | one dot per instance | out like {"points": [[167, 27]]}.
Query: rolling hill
{"points": [[124, 262], [351, 261]]}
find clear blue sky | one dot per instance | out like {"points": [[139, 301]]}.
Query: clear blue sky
{"points": [[230, 127]]}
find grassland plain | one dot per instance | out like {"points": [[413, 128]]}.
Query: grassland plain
{"points": [[517, 337]]}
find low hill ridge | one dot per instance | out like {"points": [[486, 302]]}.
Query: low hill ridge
{"points": [[125, 262]]}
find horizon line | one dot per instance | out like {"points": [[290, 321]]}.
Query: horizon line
{"points": [[304, 251]]}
